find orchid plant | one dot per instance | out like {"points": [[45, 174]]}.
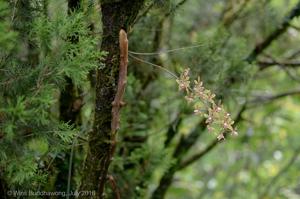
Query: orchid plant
{"points": [[202, 99]]}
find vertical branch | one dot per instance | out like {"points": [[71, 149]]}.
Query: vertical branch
{"points": [[118, 100], [118, 103], [114, 187]]}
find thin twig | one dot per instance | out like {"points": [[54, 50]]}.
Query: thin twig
{"points": [[155, 65], [228, 21], [265, 64], [144, 13], [166, 51], [175, 8], [14, 10], [51, 161], [265, 99], [283, 67], [70, 167], [114, 186], [118, 103], [293, 54]]}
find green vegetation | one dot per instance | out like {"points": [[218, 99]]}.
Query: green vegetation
{"points": [[211, 101]]}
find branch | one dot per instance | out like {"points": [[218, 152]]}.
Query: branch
{"points": [[295, 12], [165, 16], [238, 118], [293, 54], [199, 155], [295, 27], [139, 17], [285, 68], [265, 99], [118, 103], [175, 8], [182, 148], [114, 186], [266, 64], [228, 20], [157, 42], [173, 129]]}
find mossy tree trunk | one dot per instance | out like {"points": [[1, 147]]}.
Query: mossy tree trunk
{"points": [[116, 15]]}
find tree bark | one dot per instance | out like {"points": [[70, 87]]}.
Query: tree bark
{"points": [[116, 15]]}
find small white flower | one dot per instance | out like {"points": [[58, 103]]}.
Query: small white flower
{"points": [[225, 125], [234, 133], [197, 111], [221, 137]]}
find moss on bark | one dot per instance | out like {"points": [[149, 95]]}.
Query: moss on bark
{"points": [[115, 15]]}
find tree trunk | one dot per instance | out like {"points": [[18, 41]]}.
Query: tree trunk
{"points": [[115, 16]]}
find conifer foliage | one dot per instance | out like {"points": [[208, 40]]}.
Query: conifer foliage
{"points": [[96, 100], [36, 54]]}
